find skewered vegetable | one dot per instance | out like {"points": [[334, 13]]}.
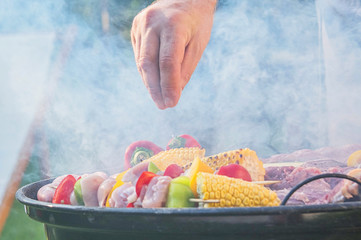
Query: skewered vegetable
{"points": [[244, 157], [232, 192], [118, 183], [159, 181], [46, 192], [64, 190], [354, 159], [179, 193], [173, 171], [78, 193], [235, 171], [139, 151], [183, 141], [196, 167], [153, 168], [180, 156], [143, 180]]}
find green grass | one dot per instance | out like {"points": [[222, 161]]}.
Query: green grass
{"points": [[19, 226]]}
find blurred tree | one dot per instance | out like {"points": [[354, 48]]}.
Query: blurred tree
{"points": [[107, 16]]}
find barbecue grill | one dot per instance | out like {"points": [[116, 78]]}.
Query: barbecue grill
{"points": [[329, 221]]}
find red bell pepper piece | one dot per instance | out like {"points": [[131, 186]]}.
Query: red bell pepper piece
{"points": [[130, 205], [183, 141], [143, 180], [63, 191]]}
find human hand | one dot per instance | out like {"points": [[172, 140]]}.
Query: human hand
{"points": [[168, 39]]}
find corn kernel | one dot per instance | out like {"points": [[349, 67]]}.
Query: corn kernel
{"points": [[223, 194], [206, 196], [228, 196], [246, 191], [211, 195], [246, 201], [218, 194], [231, 189], [236, 193], [242, 196]]}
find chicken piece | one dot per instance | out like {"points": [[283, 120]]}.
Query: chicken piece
{"points": [[138, 199], [104, 190], [134, 173], [89, 187], [119, 198], [73, 200], [46, 192], [156, 194]]}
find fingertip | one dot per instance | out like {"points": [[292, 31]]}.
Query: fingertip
{"points": [[161, 105], [170, 102], [157, 98], [171, 98]]}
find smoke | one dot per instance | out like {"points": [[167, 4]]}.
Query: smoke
{"points": [[340, 30], [260, 83], [264, 65]]}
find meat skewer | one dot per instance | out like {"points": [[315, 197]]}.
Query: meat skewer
{"points": [[147, 185], [154, 194], [325, 175]]}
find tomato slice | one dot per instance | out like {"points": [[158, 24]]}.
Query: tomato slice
{"points": [[143, 180], [234, 170], [63, 191], [173, 171]]}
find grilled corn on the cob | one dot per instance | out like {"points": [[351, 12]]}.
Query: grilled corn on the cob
{"points": [[232, 192], [180, 156], [245, 157]]}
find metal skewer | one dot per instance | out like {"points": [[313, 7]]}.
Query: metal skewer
{"points": [[266, 182], [197, 200]]}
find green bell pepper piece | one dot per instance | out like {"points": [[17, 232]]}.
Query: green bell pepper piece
{"points": [[78, 193], [153, 168], [179, 193]]}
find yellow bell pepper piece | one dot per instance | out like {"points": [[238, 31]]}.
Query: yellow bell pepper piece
{"points": [[196, 167], [354, 159], [116, 185]]}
